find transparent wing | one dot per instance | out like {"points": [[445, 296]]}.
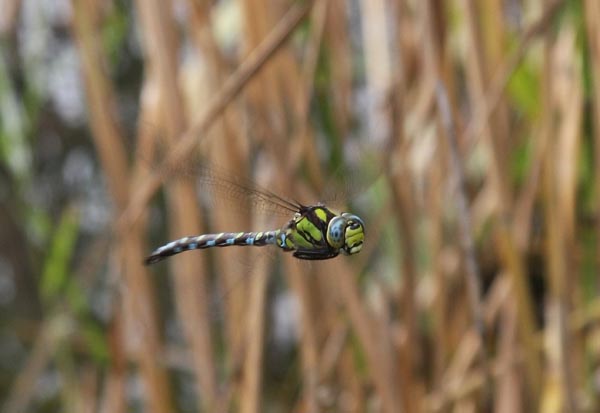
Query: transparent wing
{"points": [[352, 180], [213, 181], [240, 188]]}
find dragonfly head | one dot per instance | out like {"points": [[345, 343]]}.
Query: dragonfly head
{"points": [[346, 232]]}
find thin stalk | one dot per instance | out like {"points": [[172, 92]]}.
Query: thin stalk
{"points": [[190, 281], [472, 271], [200, 125], [109, 145]]}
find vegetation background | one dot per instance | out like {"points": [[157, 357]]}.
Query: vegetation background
{"points": [[468, 136]]}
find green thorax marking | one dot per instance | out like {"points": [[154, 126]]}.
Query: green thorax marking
{"points": [[308, 229]]}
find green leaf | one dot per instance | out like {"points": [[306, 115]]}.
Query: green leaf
{"points": [[56, 267], [95, 338], [524, 89]]}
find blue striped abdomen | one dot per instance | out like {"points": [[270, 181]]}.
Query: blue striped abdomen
{"points": [[224, 239]]}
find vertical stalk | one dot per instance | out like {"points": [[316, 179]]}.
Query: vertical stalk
{"points": [[188, 270]]}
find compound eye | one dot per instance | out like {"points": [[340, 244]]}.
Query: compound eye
{"points": [[336, 231]]}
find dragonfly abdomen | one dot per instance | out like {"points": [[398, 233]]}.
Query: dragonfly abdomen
{"points": [[224, 239]]}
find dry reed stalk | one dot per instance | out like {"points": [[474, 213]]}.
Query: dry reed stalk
{"points": [[113, 398], [487, 38], [439, 71], [250, 390], [350, 380], [201, 124], [459, 383], [235, 276], [213, 74], [258, 20], [139, 310], [8, 20], [304, 285], [472, 269], [226, 146], [552, 396], [410, 357], [508, 252], [441, 299], [400, 177], [302, 146], [251, 385], [22, 388], [502, 75], [109, 145], [329, 306], [374, 338], [459, 398], [309, 338], [415, 122], [206, 45], [88, 399], [477, 82], [338, 47], [272, 87], [527, 197], [561, 120], [592, 17], [508, 385], [384, 125], [569, 146], [188, 270], [333, 348], [378, 67]]}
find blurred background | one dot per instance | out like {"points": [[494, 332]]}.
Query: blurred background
{"points": [[466, 134]]}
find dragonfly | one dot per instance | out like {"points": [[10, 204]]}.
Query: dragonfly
{"points": [[315, 232]]}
